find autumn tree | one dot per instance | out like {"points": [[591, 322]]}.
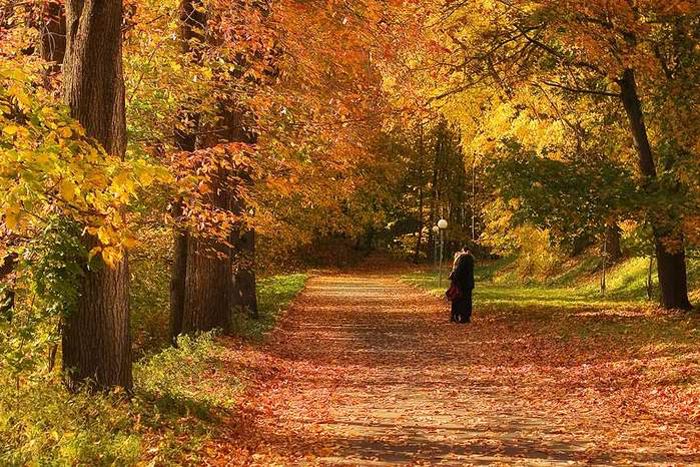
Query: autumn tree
{"points": [[604, 49], [96, 337], [213, 273], [191, 36]]}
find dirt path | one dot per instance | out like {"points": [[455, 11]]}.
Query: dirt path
{"points": [[369, 372]]}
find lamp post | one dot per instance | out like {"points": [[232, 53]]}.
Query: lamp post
{"points": [[442, 226], [436, 233]]}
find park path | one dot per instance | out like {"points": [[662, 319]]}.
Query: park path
{"points": [[369, 372]]}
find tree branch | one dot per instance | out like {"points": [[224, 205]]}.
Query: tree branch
{"points": [[582, 91]]}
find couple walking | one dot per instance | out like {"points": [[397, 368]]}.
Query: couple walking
{"points": [[461, 286]]}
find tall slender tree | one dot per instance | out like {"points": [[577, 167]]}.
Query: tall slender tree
{"points": [[193, 21]]}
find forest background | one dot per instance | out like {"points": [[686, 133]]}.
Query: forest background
{"points": [[158, 158]]}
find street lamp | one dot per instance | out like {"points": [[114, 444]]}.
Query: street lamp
{"points": [[442, 226], [436, 232]]}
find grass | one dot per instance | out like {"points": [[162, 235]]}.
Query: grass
{"points": [[570, 312], [571, 306], [274, 294], [578, 283], [181, 397]]}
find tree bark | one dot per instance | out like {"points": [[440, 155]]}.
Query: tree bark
{"points": [[208, 275], [243, 279], [416, 258], [671, 267], [193, 21], [7, 297], [244, 298], [613, 248], [96, 336], [207, 287], [178, 273]]}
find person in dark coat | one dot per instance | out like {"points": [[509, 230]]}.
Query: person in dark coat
{"points": [[462, 276]]}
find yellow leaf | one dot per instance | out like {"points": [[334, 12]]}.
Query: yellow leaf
{"points": [[105, 235], [11, 220], [94, 252], [146, 178], [129, 243], [67, 190], [10, 130], [111, 256], [12, 212], [65, 132]]}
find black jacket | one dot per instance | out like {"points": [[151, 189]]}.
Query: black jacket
{"points": [[463, 272]]}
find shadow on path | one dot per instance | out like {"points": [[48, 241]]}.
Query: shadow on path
{"points": [[372, 374]]}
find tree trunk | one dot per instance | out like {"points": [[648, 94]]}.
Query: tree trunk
{"points": [[671, 267], [613, 248], [579, 244], [7, 297], [207, 286], [243, 278], [419, 240], [207, 302], [96, 336], [178, 273], [193, 21], [244, 298], [416, 258]]}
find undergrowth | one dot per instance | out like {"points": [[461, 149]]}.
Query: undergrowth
{"points": [[180, 397]]}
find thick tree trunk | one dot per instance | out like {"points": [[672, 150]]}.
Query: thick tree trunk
{"points": [[207, 286], [243, 283], [96, 336], [673, 278]]}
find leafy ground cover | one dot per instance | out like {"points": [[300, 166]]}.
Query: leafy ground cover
{"points": [[182, 398], [366, 370]]}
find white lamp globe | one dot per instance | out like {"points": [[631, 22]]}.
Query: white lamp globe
{"points": [[436, 229], [442, 224]]}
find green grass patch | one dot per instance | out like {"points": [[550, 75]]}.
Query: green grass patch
{"points": [[573, 308], [274, 294], [171, 412], [578, 283]]}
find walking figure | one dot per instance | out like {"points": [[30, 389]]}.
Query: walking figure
{"points": [[461, 286]]}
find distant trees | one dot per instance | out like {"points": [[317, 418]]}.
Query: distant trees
{"points": [[536, 61], [431, 179]]}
